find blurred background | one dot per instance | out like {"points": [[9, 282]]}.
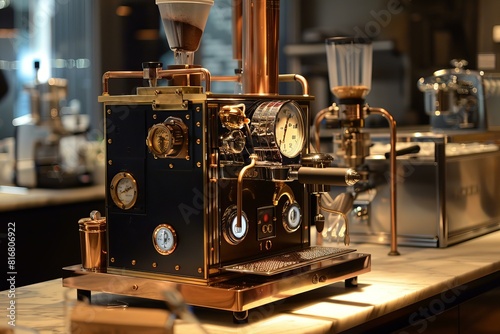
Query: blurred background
{"points": [[80, 40]]}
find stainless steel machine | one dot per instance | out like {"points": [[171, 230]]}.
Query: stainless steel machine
{"points": [[215, 194], [446, 174], [447, 189]]}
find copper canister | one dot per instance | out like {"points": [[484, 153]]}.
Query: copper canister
{"points": [[93, 242]]}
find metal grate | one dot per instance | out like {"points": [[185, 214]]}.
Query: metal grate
{"points": [[288, 261]]}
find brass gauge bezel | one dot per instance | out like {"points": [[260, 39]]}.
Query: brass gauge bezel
{"points": [[114, 188], [168, 139], [169, 229]]}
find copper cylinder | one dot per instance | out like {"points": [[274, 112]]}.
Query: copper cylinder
{"points": [[237, 22], [260, 34]]}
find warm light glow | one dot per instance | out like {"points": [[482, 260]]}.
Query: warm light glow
{"points": [[147, 34], [123, 10]]}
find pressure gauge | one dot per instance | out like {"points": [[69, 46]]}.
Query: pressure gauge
{"points": [[281, 125], [292, 216], [123, 189], [164, 239], [232, 233], [168, 139]]}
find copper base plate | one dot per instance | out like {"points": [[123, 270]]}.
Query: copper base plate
{"points": [[237, 293]]}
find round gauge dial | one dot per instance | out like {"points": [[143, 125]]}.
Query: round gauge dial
{"points": [[232, 233], [164, 239], [161, 140], [123, 189], [292, 216], [278, 126], [289, 130], [168, 139]]}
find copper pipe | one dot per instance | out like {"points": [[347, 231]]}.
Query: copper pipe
{"points": [[239, 198], [162, 74], [393, 172], [260, 34], [118, 74], [237, 24], [226, 78], [298, 78]]}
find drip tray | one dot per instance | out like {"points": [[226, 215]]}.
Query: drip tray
{"points": [[284, 262]]}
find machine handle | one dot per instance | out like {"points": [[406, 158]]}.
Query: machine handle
{"points": [[403, 151], [333, 176]]}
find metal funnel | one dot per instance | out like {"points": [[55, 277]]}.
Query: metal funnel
{"points": [[184, 22]]}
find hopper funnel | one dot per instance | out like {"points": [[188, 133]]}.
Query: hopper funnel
{"points": [[184, 22]]}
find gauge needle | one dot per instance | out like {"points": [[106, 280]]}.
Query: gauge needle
{"points": [[161, 142], [286, 127]]}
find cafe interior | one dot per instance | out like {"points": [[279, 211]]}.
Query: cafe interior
{"points": [[250, 166]]}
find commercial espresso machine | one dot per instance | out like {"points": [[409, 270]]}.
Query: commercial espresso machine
{"points": [[215, 195]]}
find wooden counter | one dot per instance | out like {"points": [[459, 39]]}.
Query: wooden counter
{"points": [[424, 290]]}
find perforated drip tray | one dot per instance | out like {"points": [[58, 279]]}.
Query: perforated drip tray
{"points": [[284, 262]]}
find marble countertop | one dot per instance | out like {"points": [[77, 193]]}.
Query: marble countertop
{"points": [[393, 283], [18, 198]]}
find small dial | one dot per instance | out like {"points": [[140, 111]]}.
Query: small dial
{"points": [[161, 141], [168, 139], [289, 130], [292, 216], [232, 233], [123, 189], [164, 239]]}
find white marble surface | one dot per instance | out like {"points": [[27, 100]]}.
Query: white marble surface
{"points": [[18, 198], [393, 283]]}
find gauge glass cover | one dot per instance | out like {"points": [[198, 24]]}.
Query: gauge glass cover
{"points": [[164, 239], [289, 130], [292, 216], [123, 190]]}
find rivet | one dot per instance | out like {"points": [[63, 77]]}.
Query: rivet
{"points": [[171, 166], [200, 270], [135, 287], [188, 116], [112, 259], [155, 116], [198, 124], [108, 111], [110, 162], [110, 141], [154, 264], [133, 262], [198, 141], [198, 164], [198, 109], [177, 267]]}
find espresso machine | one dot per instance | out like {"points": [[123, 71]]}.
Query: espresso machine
{"points": [[349, 71], [50, 142], [446, 172], [216, 195]]}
